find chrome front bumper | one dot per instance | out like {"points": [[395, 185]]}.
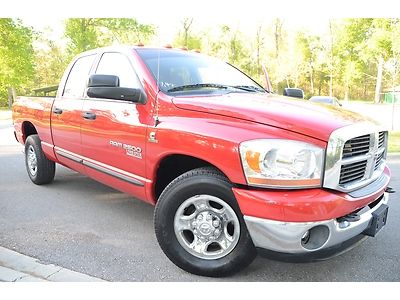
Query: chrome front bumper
{"points": [[286, 237]]}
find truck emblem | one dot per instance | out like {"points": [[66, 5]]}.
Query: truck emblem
{"points": [[130, 150], [152, 137]]}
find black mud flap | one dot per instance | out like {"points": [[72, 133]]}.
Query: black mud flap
{"points": [[379, 218]]}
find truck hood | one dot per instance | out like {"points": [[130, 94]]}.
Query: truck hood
{"points": [[301, 116]]}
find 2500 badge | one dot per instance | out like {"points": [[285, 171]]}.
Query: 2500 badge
{"points": [[130, 150]]}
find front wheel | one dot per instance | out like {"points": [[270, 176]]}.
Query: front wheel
{"points": [[199, 225]]}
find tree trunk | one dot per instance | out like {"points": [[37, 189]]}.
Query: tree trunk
{"points": [[312, 81], [278, 36], [12, 94], [346, 91], [379, 80]]}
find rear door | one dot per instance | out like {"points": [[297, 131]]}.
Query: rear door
{"points": [[66, 116], [114, 134]]}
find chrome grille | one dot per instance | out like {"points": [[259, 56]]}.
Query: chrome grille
{"points": [[352, 172], [357, 146], [355, 156]]}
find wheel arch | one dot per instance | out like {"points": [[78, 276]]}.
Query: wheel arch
{"points": [[28, 129], [174, 165]]}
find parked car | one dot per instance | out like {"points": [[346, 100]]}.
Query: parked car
{"points": [[293, 92], [229, 167], [326, 100]]}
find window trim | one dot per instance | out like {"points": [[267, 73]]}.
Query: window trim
{"points": [[89, 73]]}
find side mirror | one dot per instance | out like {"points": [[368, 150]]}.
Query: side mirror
{"points": [[97, 80], [293, 92], [107, 87]]}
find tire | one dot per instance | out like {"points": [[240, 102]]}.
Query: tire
{"points": [[40, 169], [215, 244]]}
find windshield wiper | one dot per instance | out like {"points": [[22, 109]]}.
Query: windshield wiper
{"points": [[249, 88], [197, 86]]}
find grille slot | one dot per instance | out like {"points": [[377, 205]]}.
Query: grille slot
{"points": [[356, 146], [381, 140], [352, 172], [378, 160]]}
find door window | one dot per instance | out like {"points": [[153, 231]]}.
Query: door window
{"points": [[118, 64], [78, 77]]}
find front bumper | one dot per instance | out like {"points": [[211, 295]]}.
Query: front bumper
{"points": [[290, 237]]}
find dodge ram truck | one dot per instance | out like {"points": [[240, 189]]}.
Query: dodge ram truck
{"points": [[230, 167]]}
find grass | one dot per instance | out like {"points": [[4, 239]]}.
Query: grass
{"points": [[394, 141]]}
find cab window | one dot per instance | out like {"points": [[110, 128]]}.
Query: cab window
{"points": [[117, 64], [78, 76]]}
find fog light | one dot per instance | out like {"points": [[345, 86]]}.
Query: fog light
{"points": [[315, 237]]}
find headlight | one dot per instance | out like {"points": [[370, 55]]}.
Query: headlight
{"points": [[282, 163]]}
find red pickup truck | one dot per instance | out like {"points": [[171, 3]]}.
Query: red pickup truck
{"points": [[229, 166]]}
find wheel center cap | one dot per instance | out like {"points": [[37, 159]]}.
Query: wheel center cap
{"points": [[205, 228]]}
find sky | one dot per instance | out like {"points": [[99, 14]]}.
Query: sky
{"points": [[310, 15]]}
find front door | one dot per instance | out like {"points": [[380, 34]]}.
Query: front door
{"points": [[114, 132]]}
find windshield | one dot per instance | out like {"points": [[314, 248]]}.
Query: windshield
{"points": [[180, 72]]}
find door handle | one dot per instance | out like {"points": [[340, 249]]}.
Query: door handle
{"points": [[57, 111], [89, 115]]}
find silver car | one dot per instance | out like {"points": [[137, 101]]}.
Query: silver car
{"points": [[326, 100]]}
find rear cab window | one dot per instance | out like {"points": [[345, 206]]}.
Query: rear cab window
{"points": [[78, 77]]}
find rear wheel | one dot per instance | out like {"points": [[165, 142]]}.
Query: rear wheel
{"points": [[40, 169], [199, 225]]}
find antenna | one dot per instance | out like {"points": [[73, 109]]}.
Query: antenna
{"points": [[157, 121]]}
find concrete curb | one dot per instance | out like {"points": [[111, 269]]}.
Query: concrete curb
{"points": [[18, 267]]}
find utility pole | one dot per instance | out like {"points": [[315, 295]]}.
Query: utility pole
{"points": [[379, 79]]}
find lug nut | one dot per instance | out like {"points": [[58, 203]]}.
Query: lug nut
{"points": [[216, 232], [208, 218], [194, 224], [215, 223]]}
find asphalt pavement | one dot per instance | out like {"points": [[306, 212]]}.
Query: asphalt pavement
{"points": [[87, 227]]}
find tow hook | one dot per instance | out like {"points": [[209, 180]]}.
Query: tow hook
{"points": [[390, 190], [353, 217]]}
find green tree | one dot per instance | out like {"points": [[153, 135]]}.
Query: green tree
{"points": [[50, 62], [311, 49], [82, 35], [230, 47], [16, 57], [123, 31], [349, 48], [88, 33], [186, 38], [365, 46]]}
